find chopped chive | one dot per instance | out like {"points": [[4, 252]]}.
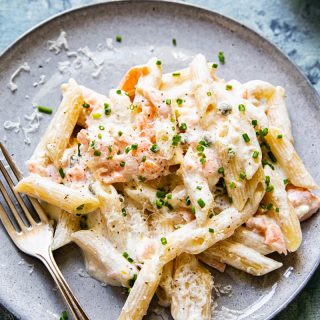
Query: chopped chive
{"points": [[176, 139], [188, 201], [199, 188], [159, 203], [209, 93], [118, 91], [228, 87], [96, 115], [164, 241], [246, 137], [101, 127], [279, 136], [269, 206], [242, 108], [120, 133], [230, 200], [144, 158], [183, 126], [255, 154], [179, 101], [270, 188], [79, 153], [169, 196], [168, 102], [154, 148], [64, 316], [221, 170], [124, 212], [242, 175], [118, 38], [161, 194], [158, 63], [132, 281], [125, 255], [286, 181], [277, 209], [107, 110], [176, 74], [122, 164], [86, 105], [200, 148], [141, 178], [202, 160], [214, 66], [110, 149], [267, 180], [205, 143], [44, 109], [127, 149], [62, 174], [174, 41], [97, 153], [201, 203], [221, 57], [193, 210], [263, 132], [134, 146], [211, 230], [232, 185], [99, 135], [254, 123]]}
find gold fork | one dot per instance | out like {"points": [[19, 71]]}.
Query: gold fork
{"points": [[34, 239]]}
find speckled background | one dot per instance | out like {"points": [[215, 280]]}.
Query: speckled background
{"points": [[293, 25]]}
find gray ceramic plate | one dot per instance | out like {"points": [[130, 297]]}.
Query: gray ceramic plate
{"points": [[147, 29]]}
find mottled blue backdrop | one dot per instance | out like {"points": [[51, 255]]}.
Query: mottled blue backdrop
{"points": [[293, 25]]}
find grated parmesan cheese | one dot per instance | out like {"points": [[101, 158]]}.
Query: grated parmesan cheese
{"points": [[64, 66], [109, 42], [22, 262], [90, 55], [77, 62], [59, 44], [33, 125], [11, 125], [11, 84], [96, 73]]}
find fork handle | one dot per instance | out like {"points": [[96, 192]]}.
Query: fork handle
{"points": [[69, 297]]}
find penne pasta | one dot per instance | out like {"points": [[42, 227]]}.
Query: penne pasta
{"points": [[77, 201], [56, 138], [103, 261], [289, 160], [241, 257], [278, 114], [192, 286], [282, 210]]}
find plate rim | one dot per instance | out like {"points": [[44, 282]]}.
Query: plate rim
{"points": [[6, 51]]}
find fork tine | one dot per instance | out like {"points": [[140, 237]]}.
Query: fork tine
{"points": [[6, 222], [12, 165], [43, 217], [17, 195], [12, 207], [17, 173]]}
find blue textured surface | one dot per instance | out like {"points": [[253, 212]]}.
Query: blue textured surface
{"points": [[293, 25]]}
